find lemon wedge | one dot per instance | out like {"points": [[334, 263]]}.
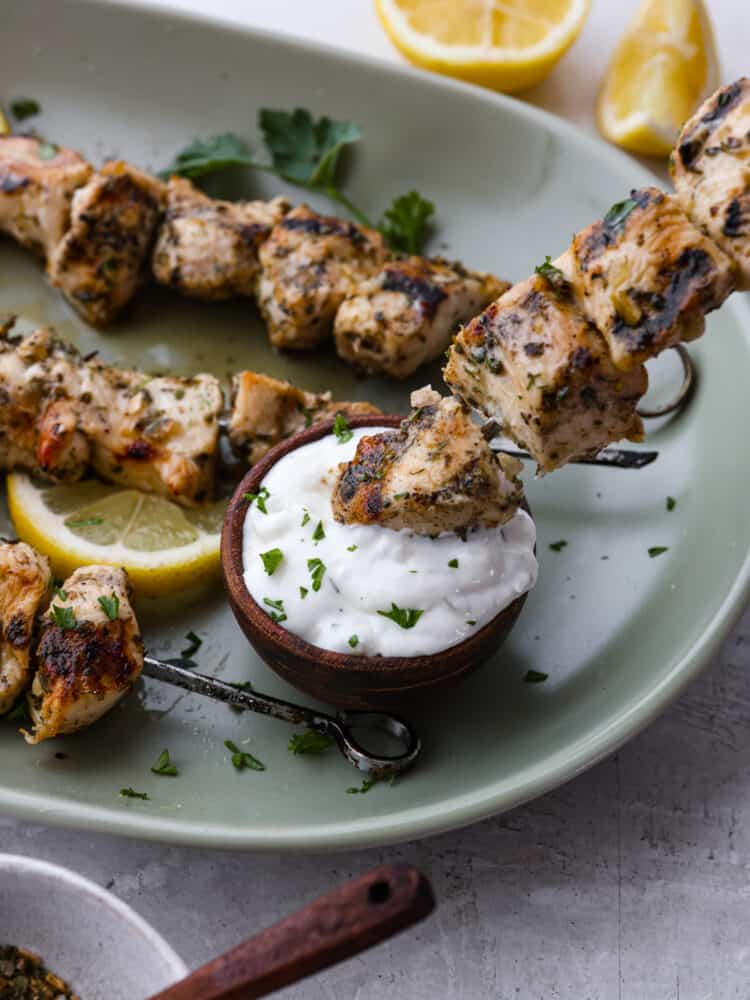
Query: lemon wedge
{"points": [[166, 549], [664, 66], [503, 44]]}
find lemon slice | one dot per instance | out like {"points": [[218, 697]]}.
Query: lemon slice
{"points": [[166, 549], [503, 44], [665, 65]]}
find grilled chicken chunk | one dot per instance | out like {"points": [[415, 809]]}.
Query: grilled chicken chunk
{"points": [[102, 260], [89, 653], [62, 415], [37, 182], [407, 314], [24, 590], [646, 277], [308, 265], [266, 410], [711, 171], [209, 248], [533, 363], [435, 473]]}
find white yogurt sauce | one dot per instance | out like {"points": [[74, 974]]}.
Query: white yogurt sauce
{"points": [[369, 568]]}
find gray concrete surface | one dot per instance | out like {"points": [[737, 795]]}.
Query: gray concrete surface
{"points": [[631, 882]]}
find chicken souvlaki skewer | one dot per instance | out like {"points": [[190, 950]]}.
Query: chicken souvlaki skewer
{"points": [[103, 232]]}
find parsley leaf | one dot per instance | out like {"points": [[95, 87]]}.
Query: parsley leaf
{"points": [[129, 793], [110, 606], [259, 499], [206, 156], [341, 429], [304, 150], [405, 617], [59, 592], [271, 560], [303, 592], [671, 503], [24, 107], [352, 548], [319, 533], [657, 550], [242, 760], [195, 644], [619, 212], [317, 572], [453, 563], [164, 766], [311, 741], [535, 677], [558, 546], [305, 519], [353, 641], [406, 222], [551, 273], [64, 618], [366, 785], [278, 614]]}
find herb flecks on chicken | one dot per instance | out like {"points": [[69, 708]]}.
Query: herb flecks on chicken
{"points": [[266, 410], [435, 473], [406, 315], [25, 580], [87, 657], [533, 363], [309, 264], [711, 171], [208, 248]]}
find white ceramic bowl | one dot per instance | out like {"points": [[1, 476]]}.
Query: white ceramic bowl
{"points": [[101, 947]]}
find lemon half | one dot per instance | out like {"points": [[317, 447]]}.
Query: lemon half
{"points": [[166, 549], [664, 66], [503, 44]]}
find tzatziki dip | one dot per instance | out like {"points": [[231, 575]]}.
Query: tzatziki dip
{"points": [[368, 589]]}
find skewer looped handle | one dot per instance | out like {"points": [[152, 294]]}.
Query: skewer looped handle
{"points": [[357, 915]]}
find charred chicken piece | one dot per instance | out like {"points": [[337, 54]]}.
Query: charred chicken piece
{"points": [[37, 183], [646, 277], [102, 260], [435, 473], [711, 171], [24, 591], [534, 364], [89, 653], [309, 264], [407, 314], [266, 410], [209, 248]]}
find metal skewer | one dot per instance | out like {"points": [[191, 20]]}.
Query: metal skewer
{"points": [[341, 727]]}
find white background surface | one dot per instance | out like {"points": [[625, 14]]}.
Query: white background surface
{"points": [[631, 882]]}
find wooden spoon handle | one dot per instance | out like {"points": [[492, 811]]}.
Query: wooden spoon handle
{"points": [[357, 915]]}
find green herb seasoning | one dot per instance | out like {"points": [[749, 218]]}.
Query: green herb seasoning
{"points": [[453, 563], [671, 503], [353, 641], [195, 643], [164, 766], [130, 793], [110, 606], [24, 107], [64, 618], [657, 550], [619, 212], [305, 519], [319, 533], [317, 570], [303, 592], [259, 499], [310, 741], [341, 429], [403, 617], [535, 677], [366, 785], [551, 273], [351, 548], [277, 613], [558, 546], [271, 560], [242, 760]]}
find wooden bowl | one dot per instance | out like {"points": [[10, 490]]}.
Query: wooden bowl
{"points": [[342, 679]]}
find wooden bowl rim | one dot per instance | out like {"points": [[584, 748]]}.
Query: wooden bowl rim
{"points": [[252, 617]]}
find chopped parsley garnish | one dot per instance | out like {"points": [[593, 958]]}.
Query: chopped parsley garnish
{"points": [[311, 741], [671, 503], [317, 571], [353, 641], [110, 606], [129, 793], [657, 550], [406, 222], [305, 519], [404, 617], [552, 274], [341, 429], [558, 546], [59, 592], [64, 618], [259, 499], [84, 522], [24, 107], [471, 621], [453, 563], [47, 151], [164, 766], [619, 213], [535, 677], [206, 156], [351, 548], [303, 592], [195, 642], [271, 560], [319, 533], [277, 613], [242, 760], [366, 785]]}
